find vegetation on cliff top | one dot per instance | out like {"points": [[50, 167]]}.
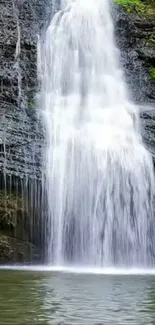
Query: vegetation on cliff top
{"points": [[138, 6]]}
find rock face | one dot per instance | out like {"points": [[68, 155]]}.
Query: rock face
{"points": [[135, 36], [135, 33], [13, 250], [21, 134], [20, 139]]}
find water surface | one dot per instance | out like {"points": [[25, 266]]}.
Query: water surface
{"points": [[42, 298]]}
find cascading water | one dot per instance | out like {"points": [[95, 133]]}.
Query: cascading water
{"points": [[98, 174]]}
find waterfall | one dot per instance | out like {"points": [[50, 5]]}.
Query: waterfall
{"points": [[98, 174]]}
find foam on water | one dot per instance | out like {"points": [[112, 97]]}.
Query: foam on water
{"points": [[99, 176], [81, 270]]}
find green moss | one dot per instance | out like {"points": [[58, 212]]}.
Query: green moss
{"points": [[138, 6], [151, 40], [31, 97], [152, 73], [31, 103]]}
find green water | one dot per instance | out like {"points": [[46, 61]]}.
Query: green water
{"points": [[41, 298]]}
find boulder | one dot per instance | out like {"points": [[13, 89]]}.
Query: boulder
{"points": [[14, 251]]}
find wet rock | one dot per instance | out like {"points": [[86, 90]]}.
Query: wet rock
{"points": [[19, 222], [135, 33], [21, 134], [148, 130], [14, 251], [135, 38]]}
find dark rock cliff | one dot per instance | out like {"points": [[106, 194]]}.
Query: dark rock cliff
{"points": [[135, 33], [20, 139], [21, 134]]}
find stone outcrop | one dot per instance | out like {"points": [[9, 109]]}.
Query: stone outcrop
{"points": [[136, 39], [21, 134], [20, 138], [13, 250], [135, 33]]}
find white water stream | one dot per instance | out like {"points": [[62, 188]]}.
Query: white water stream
{"points": [[98, 174]]}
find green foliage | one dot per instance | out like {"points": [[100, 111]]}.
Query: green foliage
{"points": [[152, 73], [137, 6], [151, 40]]}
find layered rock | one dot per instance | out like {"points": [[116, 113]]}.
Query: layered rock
{"points": [[135, 32], [21, 134]]}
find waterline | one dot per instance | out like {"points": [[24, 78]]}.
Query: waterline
{"points": [[81, 270]]}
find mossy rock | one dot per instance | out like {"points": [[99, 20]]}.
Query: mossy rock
{"points": [[31, 97], [151, 40], [15, 251], [144, 8], [14, 218], [15, 224], [11, 208], [32, 102]]}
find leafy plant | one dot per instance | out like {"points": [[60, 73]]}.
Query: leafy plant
{"points": [[152, 73]]}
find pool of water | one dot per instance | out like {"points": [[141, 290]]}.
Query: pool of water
{"points": [[61, 298]]}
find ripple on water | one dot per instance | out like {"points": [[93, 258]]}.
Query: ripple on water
{"points": [[54, 298]]}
